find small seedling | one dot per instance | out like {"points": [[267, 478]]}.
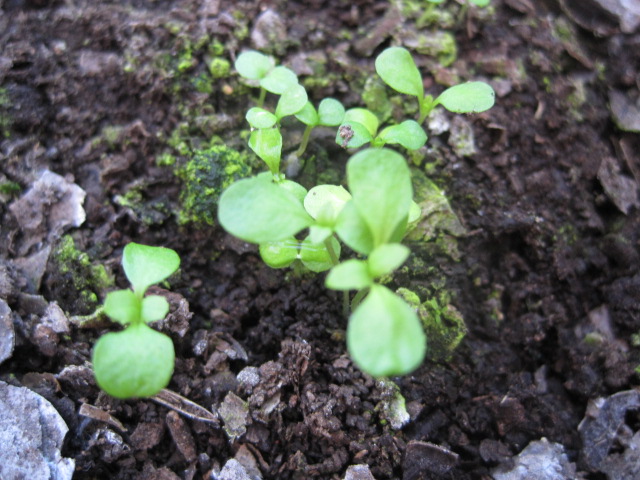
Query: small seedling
{"points": [[397, 69], [137, 361]]}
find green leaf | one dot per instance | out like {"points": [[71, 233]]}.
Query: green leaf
{"points": [[385, 336], [154, 308], [145, 265], [470, 97], [291, 101], [353, 230], [123, 306], [386, 258], [315, 256], [308, 115], [480, 3], [137, 362], [260, 118], [254, 65], [397, 69], [279, 80], [352, 135], [409, 134], [380, 184], [319, 233], [280, 254], [363, 116], [258, 211], [266, 143], [349, 275], [331, 112], [326, 199], [295, 188]]}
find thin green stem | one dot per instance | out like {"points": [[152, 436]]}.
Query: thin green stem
{"points": [[358, 298], [335, 261], [263, 95], [305, 140]]}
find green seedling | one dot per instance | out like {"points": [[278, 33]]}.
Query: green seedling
{"points": [[260, 70], [397, 69], [137, 361], [360, 126]]}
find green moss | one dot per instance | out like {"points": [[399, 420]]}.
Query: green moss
{"points": [[376, 99], [5, 120], [10, 188], [204, 178], [78, 280], [219, 67], [443, 323], [439, 44], [166, 160]]}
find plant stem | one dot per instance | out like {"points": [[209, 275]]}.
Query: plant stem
{"points": [[305, 140], [358, 298], [263, 95]]}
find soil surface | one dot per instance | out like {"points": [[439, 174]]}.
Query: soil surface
{"points": [[543, 265]]}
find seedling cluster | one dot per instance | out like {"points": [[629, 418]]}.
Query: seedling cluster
{"points": [[384, 335], [137, 361]]}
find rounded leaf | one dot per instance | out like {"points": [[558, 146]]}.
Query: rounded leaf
{"points": [[258, 211], [315, 256], [328, 199], [364, 117], [352, 135], [291, 101], [279, 80], [266, 143], [308, 115], [331, 112], [349, 275], [480, 3], [385, 336], [409, 134], [294, 188], [353, 230], [145, 265], [123, 306], [470, 97], [137, 362], [386, 258], [260, 118], [253, 65], [397, 69], [280, 254], [154, 308]]}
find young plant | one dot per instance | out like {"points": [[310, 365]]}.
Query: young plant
{"points": [[260, 70], [137, 361], [330, 113], [397, 69]]}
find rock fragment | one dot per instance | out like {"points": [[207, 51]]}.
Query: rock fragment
{"points": [[540, 460], [7, 333]]}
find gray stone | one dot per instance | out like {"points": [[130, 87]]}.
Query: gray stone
{"points": [[540, 460], [7, 333], [31, 435], [359, 472]]}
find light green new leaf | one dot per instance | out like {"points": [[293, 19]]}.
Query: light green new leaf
{"points": [[280, 254], [279, 80], [385, 336], [352, 135], [123, 306], [258, 211], [291, 101], [254, 65], [294, 188], [154, 308], [319, 233], [380, 184], [397, 69], [145, 265], [353, 230], [315, 256], [260, 118], [364, 117], [349, 275], [331, 112], [386, 258], [326, 199], [470, 97], [308, 115], [409, 134], [480, 3], [137, 362], [267, 144]]}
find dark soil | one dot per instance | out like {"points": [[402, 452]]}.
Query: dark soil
{"points": [[546, 277]]}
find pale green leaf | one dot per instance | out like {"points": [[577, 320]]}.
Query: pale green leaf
{"points": [[363, 116], [266, 143], [397, 69], [280, 254], [260, 118], [331, 112], [316, 257], [123, 306], [254, 65], [145, 265], [137, 362], [328, 199], [353, 230], [470, 97], [352, 135], [295, 188], [154, 308], [385, 336], [409, 134], [258, 211], [279, 80], [291, 101], [308, 115], [349, 275], [386, 258], [480, 3]]}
